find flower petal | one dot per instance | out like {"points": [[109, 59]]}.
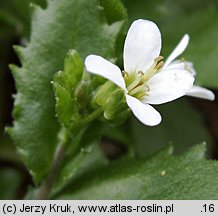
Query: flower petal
{"points": [[100, 66], [178, 50], [142, 46], [182, 65], [168, 85], [143, 112], [197, 91], [189, 66], [175, 66]]}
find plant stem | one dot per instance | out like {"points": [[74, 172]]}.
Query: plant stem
{"points": [[83, 122], [45, 189]]}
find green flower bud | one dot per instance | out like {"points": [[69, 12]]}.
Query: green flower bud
{"points": [[81, 94], [114, 104], [102, 93], [112, 99]]}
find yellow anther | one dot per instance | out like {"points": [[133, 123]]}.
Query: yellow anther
{"points": [[159, 58], [159, 65]]}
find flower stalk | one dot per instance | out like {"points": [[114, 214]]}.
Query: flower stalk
{"points": [[45, 189]]}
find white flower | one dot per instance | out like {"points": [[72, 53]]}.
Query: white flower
{"points": [[146, 78]]}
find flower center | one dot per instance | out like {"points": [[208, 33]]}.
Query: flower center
{"points": [[136, 82]]}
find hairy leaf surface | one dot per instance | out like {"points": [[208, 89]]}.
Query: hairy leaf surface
{"points": [[63, 25]]}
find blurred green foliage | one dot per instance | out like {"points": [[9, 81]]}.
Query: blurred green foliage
{"points": [[176, 129], [10, 181], [15, 17]]}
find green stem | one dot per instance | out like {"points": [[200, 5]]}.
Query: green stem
{"points": [[83, 122], [45, 189]]}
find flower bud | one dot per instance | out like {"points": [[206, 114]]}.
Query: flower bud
{"points": [[81, 94], [111, 99]]}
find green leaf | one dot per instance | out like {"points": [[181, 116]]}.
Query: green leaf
{"points": [[64, 104], [113, 10], [65, 83], [159, 177], [88, 159], [63, 25], [72, 73]]}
